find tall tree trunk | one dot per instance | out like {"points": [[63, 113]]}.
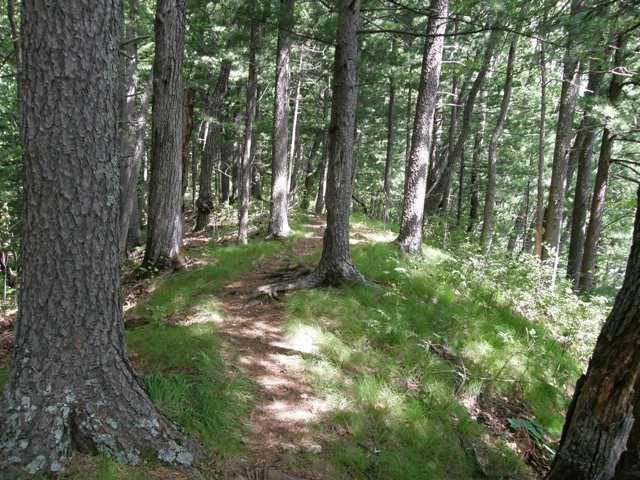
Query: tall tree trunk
{"points": [[410, 237], [599, 196], [391, 132], [324, 163], [460, 190], [188, 103], [488, 223], [564, 134], [600, 416], [129, 161], [164, 232], [204, 204], [584, 152], [541, 135], [336, 265], [309, 171], [279, 226], [295, 127], [71, 385], [195, 150], [474, 196], [244, 168]]}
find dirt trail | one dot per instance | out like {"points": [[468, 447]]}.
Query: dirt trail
{"points": [[286, 405]]}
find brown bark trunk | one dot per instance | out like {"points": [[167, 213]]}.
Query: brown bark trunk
{"points": [[598, 424], [244, 168], [488, 223], [564, 134], [410, 237], [72, 386], [164, 232], [474, 196], [584, 153], [204, 204], [599, 196], [279, 226], [324, 163]]}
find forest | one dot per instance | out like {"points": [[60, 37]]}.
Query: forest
{"points": [[320, 239]]}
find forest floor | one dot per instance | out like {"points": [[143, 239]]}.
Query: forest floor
{"points": [[423, 378]]}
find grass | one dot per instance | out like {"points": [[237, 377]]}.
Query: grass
{"points": [[398, 404]]}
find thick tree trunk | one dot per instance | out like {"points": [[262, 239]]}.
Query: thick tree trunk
{"points": [[564, 134], [164, 232], [541, 134], [244, 168], [336, 265], [71, 385], [188, 104], [204, 204], [488, 223], [584, 153], [391, 132], [599, 196], [279, 226], [410, 237], [599, 421]]}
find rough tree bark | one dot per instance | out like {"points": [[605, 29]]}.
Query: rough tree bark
{"points": [[204, 204], [279, 226], [602, 175], [488, 223], [600, 416], [391, 132], [164, 231], [584, 153], [72, 386], [410, 237], [564, 135], [244, 168]]}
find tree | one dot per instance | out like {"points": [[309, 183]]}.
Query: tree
{"points": [[486, 234], [279, 226], [72, 386], [164, 230], [410, 237], [244, 168], [541, 134], [391, 131], [564, 132], [204, 204], [601, 413]]}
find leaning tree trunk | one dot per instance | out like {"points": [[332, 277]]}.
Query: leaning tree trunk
{"points": [[71, 385], [600, 416], [599, 196], [584, 152], [164, 231], [410, 237], [279, 226], [204, 204], [564, 134], [391, 132], [488, 223], [244, 168]]}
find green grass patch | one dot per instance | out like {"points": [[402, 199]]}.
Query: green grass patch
{"points": [[401, 404]]}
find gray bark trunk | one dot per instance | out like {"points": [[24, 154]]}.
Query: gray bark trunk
{"points": [[488, 224], [279, 226], [410, 237], [244, 168], [164, 232], [72, 386]]}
